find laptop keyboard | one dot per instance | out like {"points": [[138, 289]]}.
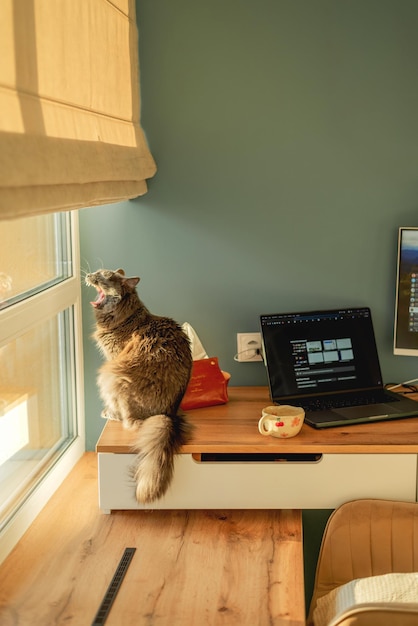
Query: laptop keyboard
{"points": [[343, 401]]}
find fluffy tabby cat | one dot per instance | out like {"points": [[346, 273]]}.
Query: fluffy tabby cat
{"points": [[144, 378]]}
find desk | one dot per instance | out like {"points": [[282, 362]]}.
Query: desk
{"points": [[316, 469]]}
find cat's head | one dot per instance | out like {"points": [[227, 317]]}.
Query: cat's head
{"points": [[111, 287]]}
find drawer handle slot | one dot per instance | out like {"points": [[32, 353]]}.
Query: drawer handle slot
{"points": [[255, 457]]}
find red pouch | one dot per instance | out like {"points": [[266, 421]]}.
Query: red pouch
{"points": [[207, 385]]}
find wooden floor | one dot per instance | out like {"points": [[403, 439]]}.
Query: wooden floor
{"points": [[190, 567]]}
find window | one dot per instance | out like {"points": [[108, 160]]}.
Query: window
{"points": [[41, 425]]}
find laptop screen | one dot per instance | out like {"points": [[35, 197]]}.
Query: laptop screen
{"points": [[318, 352]]}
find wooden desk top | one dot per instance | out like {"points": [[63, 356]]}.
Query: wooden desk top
{"points": [[233, 428]]}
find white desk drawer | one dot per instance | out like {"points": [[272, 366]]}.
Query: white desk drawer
{"points": [[327, 483]]}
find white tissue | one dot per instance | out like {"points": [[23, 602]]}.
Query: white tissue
{"points": [[198, 351]]}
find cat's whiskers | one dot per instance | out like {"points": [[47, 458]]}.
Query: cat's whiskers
{"points": [[85, 272]]}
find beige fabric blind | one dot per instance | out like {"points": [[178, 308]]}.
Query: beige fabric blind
{"points": [[70, 133]]}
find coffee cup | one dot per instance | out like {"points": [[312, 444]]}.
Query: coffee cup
{"points": [[281, 420]]}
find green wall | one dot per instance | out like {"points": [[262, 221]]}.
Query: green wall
{"points": [[285, 134]]}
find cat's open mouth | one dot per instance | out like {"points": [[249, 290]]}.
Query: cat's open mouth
{"points": [[101, 297]]}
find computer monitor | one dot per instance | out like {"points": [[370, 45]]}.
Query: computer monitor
{"points": [[406, 307]]}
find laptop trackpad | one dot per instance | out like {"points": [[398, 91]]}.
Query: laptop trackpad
{"points": [[371, 410]]}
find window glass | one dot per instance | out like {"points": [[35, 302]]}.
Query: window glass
{"points": [[34, 255], [35, 405], [38, 417]]}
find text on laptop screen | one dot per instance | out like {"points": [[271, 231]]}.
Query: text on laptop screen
{"points": [[320, 351]]}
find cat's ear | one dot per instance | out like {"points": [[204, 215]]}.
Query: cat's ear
{"points": [[119, 271], [132, 281]]}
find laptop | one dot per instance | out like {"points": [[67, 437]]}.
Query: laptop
{"points": [[327, 362]]}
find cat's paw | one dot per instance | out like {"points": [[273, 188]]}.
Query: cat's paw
{"points": [[130, 424], [107, 415]]}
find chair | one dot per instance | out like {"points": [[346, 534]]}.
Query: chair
{"points": [[365, 538]]}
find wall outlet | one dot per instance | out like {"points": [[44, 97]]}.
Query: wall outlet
{"points": [[248, 347]]}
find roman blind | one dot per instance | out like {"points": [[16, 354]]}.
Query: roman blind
{"points": [[70, 133]]}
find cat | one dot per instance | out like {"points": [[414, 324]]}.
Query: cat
{"points": [[143, 380]]}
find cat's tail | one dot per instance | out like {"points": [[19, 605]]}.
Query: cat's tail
{"points": [[160, 437]]}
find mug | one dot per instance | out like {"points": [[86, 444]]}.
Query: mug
{"points": [[282, 420]]}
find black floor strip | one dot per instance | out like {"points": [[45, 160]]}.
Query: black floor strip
{"points": [[113, 588]]}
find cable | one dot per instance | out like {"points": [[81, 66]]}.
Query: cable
{"points": [[404, 384], [252, 350]]}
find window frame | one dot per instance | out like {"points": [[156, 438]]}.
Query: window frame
{"points": [[14, 321]]}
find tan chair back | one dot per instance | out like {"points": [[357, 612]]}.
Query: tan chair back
{"points": [[366, 538]]}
